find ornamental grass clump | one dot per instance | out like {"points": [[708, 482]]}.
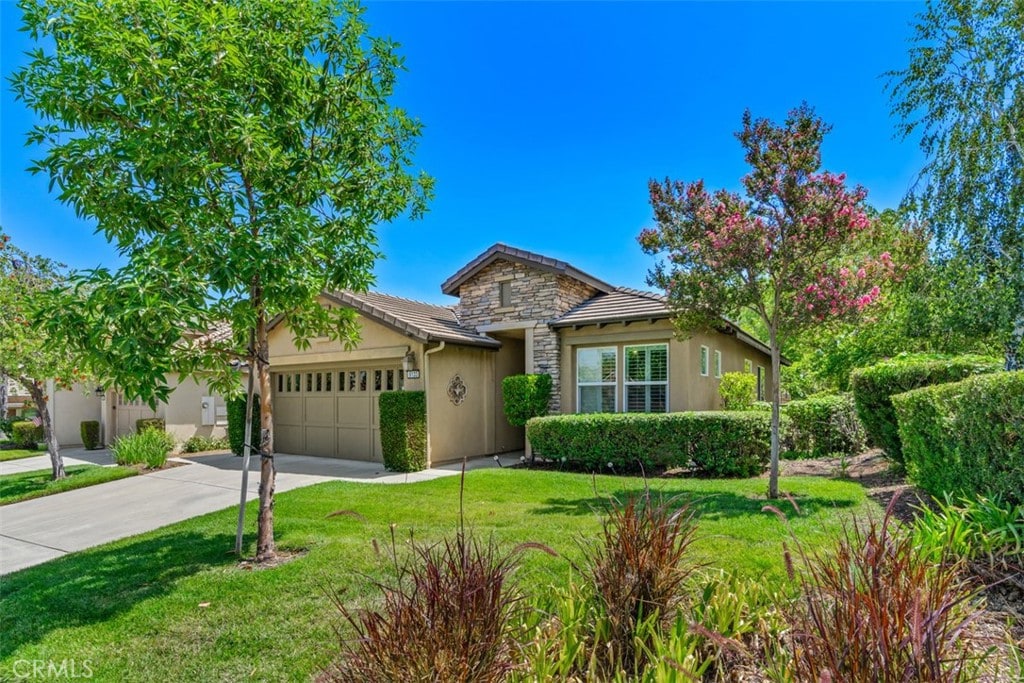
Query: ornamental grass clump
{"points": [[875, 609], [148, 447], [637, 573]]}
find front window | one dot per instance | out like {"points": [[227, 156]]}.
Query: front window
{"points": [[596, 370], [646, 378], [704, 361], [718, 364]]}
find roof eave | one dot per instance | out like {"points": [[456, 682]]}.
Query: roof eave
{"points": [[451, 285]]}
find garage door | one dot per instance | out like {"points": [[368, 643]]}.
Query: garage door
{"points": [[331, 412]]}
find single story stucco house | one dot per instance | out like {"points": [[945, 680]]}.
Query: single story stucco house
{"points": [[607, 349]]}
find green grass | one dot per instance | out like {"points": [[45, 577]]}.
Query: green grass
{"points": [[19, 453], [133, 608], [15, 488]]}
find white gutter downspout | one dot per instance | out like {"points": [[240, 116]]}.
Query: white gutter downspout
{"points": [[426, 392]]}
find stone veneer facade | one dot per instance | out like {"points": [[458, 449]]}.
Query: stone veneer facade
{"points": [[536, 295]]}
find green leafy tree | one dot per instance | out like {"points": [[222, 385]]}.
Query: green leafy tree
{"points": [[240, 155], [27, 352], [963, 93], [793, 249]]}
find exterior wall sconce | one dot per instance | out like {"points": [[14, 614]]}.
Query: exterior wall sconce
{"points": [[409, 362], [100, 392]]}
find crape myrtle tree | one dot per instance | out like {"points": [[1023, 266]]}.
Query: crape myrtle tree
{"points": [[27, 352], [790, 249], [963, 93], [239, 154]]}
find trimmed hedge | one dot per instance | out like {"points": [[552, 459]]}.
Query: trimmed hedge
{"points": [[738, 390], [966, 438], [874, 386], [403, 430], [145, 423], [26, 434], [826, 424], [525, 396], [236, 424], [90, 431], [716, 443]]}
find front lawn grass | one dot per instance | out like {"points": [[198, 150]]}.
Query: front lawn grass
{"points": [[15, 488], [19, 453], [173, 604]]}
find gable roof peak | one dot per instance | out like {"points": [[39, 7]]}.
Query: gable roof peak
{"points": [[501, 251]]}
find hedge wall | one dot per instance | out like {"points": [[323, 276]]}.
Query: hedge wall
{"points": [[236, 424], [525, 396], [966, 437], [874, 386], [717, 443], [403, 430], [823, 425]]}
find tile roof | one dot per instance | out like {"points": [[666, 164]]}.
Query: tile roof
{"points": [[501, 251], [421, 321]]}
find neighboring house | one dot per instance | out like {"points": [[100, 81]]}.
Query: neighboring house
{"points": [[608, 349], [17, 398]]}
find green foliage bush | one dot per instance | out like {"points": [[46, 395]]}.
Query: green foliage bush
{"points": [[874, 386], [525, 396], [824, 425], [403, 430], [966, 438], [90, 431], [236, 424], [148, 447], [200, 444], [738, 390], [717, 443], [26, 434], [147, 423]]}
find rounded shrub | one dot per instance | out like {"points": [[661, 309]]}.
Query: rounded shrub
{"points": [[147, 423], [738, 390], [825, 424], [715, 443], [525, 396], [90, 432], [403, 430], [236, 424], [966, 438], [26, 434], [874, 386]]}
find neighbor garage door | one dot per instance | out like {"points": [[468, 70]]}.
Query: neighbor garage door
{"points": [[331, 412]]}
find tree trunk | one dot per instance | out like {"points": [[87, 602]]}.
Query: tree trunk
{"points": [[3, 398], [773, 477], [1012, 349], [35, 390], [265, 548]]}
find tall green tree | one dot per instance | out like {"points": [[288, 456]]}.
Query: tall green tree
{"points": [[963, 93], [240, 154], [27, 352], [792, 250]]}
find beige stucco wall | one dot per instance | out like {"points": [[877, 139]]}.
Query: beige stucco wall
{"points": [[688, 390], [69, 408], [183, 412], [507, 361], [467, 430]]}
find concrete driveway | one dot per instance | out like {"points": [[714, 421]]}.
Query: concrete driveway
{"points": [[45, 528]]}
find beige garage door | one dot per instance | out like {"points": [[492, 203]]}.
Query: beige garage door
{"points": [[331, 412]]}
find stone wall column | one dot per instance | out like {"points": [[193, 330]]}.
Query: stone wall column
{"points": [[547, 359]]}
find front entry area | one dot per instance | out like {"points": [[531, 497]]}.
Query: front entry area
{"points": [[331, 412]]}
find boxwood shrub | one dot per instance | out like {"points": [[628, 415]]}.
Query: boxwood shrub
{"points": [[874, 386], [825, 424], [26, 434], [525, 396], [90, 432], [716, 443], [966, 437], [403, 430], [145, 423], [236, 424]]}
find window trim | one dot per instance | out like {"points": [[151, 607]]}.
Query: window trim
{"points": [[718, 363], [626, 383], [704, 361], [748, 365], [614, 383]]}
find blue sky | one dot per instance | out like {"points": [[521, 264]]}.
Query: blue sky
{"points": [[544, 121]]}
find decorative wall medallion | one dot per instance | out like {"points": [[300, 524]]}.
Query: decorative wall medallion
{"points": [[456, 390]]}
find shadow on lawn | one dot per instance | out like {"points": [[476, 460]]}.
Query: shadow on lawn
{"points": [[96, 585], [709, 505]]}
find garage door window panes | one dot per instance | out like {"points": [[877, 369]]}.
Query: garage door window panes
{"points": [[646, 378], [595, 380]]}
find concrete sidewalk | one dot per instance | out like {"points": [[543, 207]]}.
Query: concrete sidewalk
{"points": [[72, 456], [45, 528]]}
